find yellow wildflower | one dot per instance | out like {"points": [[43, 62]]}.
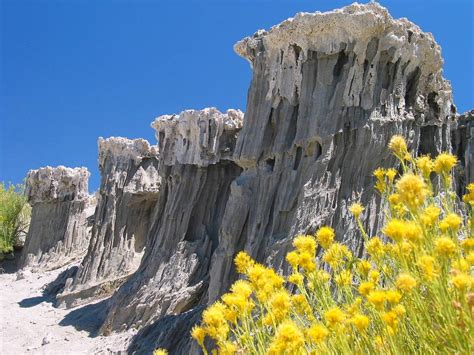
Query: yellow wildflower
{"points": [[301, 304], [227, 348], [375, 248], [394, 199], [425, 164], [467, 244], [354, 307], [215, 321], [279, 304], [379, 341], [335, 255], [242, 287], [412, 190], [198, 333], [360, 321], [426, 264], [405, 248], [461, 281], [288, 338], [413, 232], [366, 287], [296, 279], [395, 229], [405, 282], [380, 186], [444, 162], [306, 261], [379, 173], [325, 236], [334, 316], [374, 276], [363, 267], [399, 310], [444, 246], [391, 318], [469, 197], [376, 298], [398, 145], [460, 265], [317, 333], [305, 244], [451, 221], [243, 262], [356, 209], [391, 173], [393, 296], [430, 215], [470, 258], [293, 258], [344, 278], [160, 352], [323, 276]]}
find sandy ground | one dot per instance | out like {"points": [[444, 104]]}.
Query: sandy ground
{"points": [[29, 324]]}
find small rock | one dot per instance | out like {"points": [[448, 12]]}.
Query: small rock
{"points": [[22, 274], [47, 339]]}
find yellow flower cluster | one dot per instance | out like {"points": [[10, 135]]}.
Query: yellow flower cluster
{"points": [[411, 292]]}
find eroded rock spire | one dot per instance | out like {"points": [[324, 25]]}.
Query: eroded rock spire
{"points": [[58, 232], [128, 193]]}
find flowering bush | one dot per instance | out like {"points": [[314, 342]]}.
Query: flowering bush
{"points": [[14, 216], [412, 293]]}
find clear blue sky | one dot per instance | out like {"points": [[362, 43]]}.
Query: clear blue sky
{"points": [[72, 71]]}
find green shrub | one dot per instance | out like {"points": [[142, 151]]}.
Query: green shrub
{"points": [[14, 216]]}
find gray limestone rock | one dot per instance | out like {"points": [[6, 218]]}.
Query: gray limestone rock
{"points": [[128, 193], [58, 232], [196, 175]]}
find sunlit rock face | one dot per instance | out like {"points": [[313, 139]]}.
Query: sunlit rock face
{"points": [[128, 193], [196, 171], [58, 232], [329, 90]]}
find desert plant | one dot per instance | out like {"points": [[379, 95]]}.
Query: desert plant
{"points": [[411, 293], [14, 216]]}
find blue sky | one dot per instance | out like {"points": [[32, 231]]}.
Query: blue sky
{"points": [[74, 70]]}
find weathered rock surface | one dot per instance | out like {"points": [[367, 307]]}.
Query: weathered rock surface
{"points": [[196, 173], [462, 139], [329, 90], [128, 193], [58, 232]]}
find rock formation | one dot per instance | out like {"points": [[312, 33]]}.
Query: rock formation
{"points": [[329, 90], [196, 172], [59, 232], [462, 139], [128, 193]]}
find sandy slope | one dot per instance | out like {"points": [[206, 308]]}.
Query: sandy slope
{"points": [[26, 318]]}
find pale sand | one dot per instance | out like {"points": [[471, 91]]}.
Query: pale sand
{"points": [[26, 318]]}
